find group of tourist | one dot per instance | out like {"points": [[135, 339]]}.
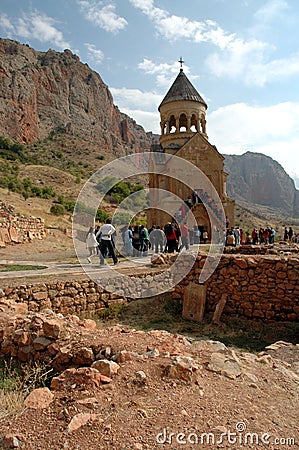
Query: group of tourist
{"points": [[289, 235], [236, 236], [138, 240], [199, 196], [173, 237]]}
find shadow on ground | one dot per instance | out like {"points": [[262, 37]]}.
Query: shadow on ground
{"points": [[164, 313]]}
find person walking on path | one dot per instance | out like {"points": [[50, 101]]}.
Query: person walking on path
{"points": [[91, 243], [158, 240], [184, 236], [171, 238], [106, 245], [128, 241], [144, 240]]}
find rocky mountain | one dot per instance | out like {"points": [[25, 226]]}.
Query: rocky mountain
{"points": [[53, 94], [42, 92], [257, 179]]}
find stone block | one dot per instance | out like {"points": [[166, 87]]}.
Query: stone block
{"points": [[194, 300]]}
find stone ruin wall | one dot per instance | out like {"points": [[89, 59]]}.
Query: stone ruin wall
{"points": [[69, 297], [262, 287], [256, 286], [84, 297], [16, 228]]}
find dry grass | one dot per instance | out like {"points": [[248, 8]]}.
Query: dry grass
{"points": [[36, 207], [11, 403], [16, 381]]}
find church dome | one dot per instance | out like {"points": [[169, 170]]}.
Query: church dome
{"points": [[182, 89]]}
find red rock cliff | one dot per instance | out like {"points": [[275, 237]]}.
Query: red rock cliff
{"points": [[45, 91]]}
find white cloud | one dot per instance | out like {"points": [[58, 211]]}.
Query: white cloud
{"points": [[278, 69], [102, 16], [271, 10], [36, 26], [142, 106], [148, 120], [237, 59], [164, 72], [245, 62], [6, 24], [40, 27], [148, 8], [133, 98], [234, 55], [94, 54], [271, 130], [175, 27]]}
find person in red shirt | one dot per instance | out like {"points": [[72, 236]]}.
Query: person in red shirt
{"points": [[171, 238], [184, 236]]}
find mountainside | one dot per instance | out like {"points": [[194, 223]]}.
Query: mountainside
{"points": [[64, 113], [255, 178], [42, 92]]}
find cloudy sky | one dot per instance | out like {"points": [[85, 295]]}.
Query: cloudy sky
{"points": [[241, 55]]}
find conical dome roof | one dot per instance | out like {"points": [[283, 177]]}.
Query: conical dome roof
{"points": [[182, 89]]}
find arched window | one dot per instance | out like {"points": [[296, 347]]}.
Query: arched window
{"points": [[172, 125], [183, 123], [193, 123]]}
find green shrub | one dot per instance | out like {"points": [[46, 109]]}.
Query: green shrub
{"points": [[57, 210], [102, 215], [117, 191], [11, 150], [47, 192]]}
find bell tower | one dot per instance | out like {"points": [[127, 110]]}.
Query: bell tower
{"points": [[182, 114]]}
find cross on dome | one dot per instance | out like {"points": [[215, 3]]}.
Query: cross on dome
{"points": [[181, 63]]}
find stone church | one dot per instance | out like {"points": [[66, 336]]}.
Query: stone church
{"points": [[184, 134]]}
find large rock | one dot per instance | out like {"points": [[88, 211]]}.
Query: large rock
{"points": [[225, 365], [182, 368], [106, 367], [81, 419], [39, 398]]}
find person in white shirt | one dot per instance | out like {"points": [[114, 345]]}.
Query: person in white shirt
{"points": [[106, 246], [91, 243]]}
